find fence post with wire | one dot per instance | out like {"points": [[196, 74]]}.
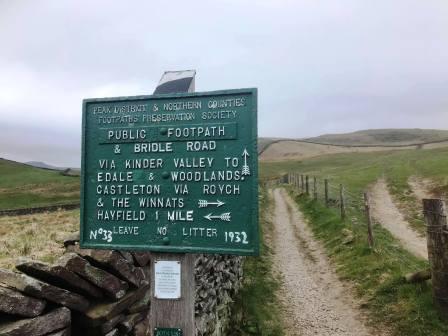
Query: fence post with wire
{"points": [[437, 239]]}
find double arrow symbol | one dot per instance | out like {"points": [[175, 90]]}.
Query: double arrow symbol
{"points": [[226, 216], [205, 203]]}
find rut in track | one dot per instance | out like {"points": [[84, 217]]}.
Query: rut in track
{"points": [[314, 301], [385, 212]]}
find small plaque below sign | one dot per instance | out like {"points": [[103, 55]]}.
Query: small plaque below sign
{"points": [[167, 280], [167, 332]]}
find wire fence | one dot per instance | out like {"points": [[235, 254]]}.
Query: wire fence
{"points": [[353, 205]]}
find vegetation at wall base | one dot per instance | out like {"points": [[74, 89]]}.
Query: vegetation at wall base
{"points": [[377, 275], [256, 310]]}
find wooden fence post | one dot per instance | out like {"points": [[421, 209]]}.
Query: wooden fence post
{"points": [[369, 220], [315, 188], [307, 185], [326, 192], [302, 182], [437, 239], [341, 200]]}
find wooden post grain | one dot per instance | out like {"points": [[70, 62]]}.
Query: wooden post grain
{"points": [[326, 192], [369, 220], [307, 185], [315, 188], [175, 313], [341, 200], [437, 240]]}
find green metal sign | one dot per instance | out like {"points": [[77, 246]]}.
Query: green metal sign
{"points": [[167, 332], [171, 173]]}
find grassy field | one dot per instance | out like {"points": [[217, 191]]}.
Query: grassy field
{"points": [[37, 236], [384, 137], [22, 186], [356, 171], [256, 310], [377, 275]]}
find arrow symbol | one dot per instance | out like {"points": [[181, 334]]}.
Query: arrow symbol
{"points": [[246, 169], [226, 216], [205, 203]]}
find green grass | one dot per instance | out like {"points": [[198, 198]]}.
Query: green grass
{"points": [[377, 275], [36, 236], [22, 186], [357, 170], [256, 310]]}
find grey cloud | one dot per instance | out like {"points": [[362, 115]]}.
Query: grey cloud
{"points": [[320, 66]]}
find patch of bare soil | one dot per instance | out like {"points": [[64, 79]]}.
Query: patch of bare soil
{"points": [[314, 300], [385, 212], [422, 187]]}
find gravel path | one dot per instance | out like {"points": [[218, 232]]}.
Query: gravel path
{"points": [[314, 301], [385, 212]]}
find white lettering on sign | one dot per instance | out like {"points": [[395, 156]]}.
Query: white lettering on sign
{"points": [[199, 131], [135, 189], [197, 146], [114, 177], [143, 163], [200, 232], [126, 134], [167, 280], [153, 147], [107, 109], [193, 162], [187, 105], [224, 103], [180, 216], [168, 173], [219, 115]]}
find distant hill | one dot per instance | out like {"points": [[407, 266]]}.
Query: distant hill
{"points": [[263, 143], [360, 141], [24, 186], [40, 164], [383, 137]]}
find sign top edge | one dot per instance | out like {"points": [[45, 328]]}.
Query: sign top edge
{"points": [[174, 95]]}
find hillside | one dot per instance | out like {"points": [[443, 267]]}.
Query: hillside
{"points": [[356, 142], [383, 137], [43, 165], [23, 186]]}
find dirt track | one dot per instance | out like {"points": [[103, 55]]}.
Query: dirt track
{"points": [[387, 214], [421, 188], [315, 301]]}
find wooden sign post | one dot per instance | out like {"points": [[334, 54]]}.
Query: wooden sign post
{"points": [[175, 316], [175, 173]]}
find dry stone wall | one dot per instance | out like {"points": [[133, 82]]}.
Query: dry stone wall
{"points": [[101, 292]]}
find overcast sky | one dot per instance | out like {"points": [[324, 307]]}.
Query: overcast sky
{"points": [[320, 66]]}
